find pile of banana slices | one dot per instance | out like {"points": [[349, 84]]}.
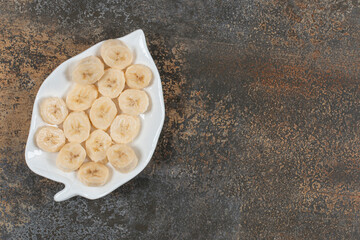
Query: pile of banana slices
{"points": [[89, 122]]}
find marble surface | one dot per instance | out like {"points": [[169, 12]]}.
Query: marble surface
{"points": [[261, 136]]}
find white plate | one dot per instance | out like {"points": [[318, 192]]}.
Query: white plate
{"points": [[57, 84]]}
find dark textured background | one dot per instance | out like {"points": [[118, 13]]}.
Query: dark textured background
{"points": [[261, 138]]}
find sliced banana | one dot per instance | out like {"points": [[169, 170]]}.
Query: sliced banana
{"points": [[133, 101], [77, 127], [102, 112], [88, 70], [116, 54], [53, 110], [93, 174], [97, 144], [125, 128], [104, 161], [81, 97], [50, 139], [109, 43], [138, 76], [70, 157], [122, 157], [112, 83]]}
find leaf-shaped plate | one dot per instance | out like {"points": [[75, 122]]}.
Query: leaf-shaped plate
{"points": [[57, 84]]}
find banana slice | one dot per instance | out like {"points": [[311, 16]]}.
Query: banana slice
{"points": [[93, 174], [112, 83], [50, 139], [110, 43], [88, 70], [138, 76], [97, 144], [116, 54], [102, 112], [77, 127], [133, 101], [81, 97], [125, 128], [122, 157], [70, 157], [53, 110], [104, 161]]}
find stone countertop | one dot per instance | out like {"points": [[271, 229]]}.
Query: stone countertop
{"points": [[262, 132]]}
